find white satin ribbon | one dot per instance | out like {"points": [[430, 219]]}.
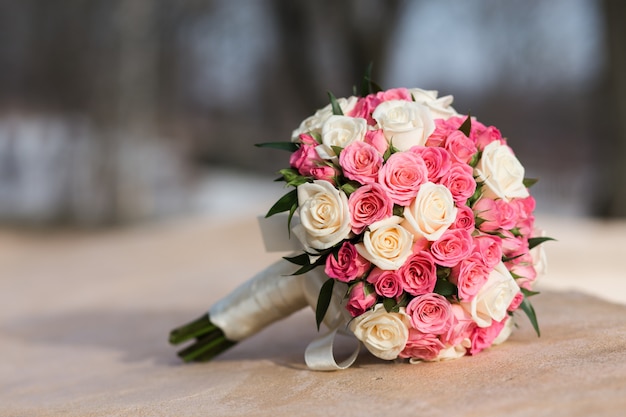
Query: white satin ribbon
{"points": [[274, 294], [320, 356]]}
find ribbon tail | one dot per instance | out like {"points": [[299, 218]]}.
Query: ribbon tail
{"points": [[319, 355]]}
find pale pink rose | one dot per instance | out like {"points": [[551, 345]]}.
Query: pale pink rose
{"points": [[526, 226], [430, 313], [369, 204], [464, 219], [483, 337], [517, 301], [523, 266], [490, 249], [305, 159], [443, 128], [361, 162], [452, 247], [324, 172], [348, 265], [419, 273], [508, 214], [469, 275], [461, 328], [483, 135], [460, 146], [365, 106], [513, 246], [377, 139], [386, 282], [438, 160], [402, 175], [359, 301], [424, 346], [460, 181], [525, 206], [487, 215]]}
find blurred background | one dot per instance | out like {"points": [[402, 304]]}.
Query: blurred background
{"points": [[122, 111]]}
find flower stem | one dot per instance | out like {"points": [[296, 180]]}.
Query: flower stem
{"points": [[210, 340]]}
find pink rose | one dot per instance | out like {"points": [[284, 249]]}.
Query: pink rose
{"points": [[419, 273], [386, 283], [402, 176], [420, 345], [483, 135], [460, 181], [359, 301], [464, 219], [470, 275], [525, 206], [517, 301], [523, 267], [324, 172], [461, 328], [513, 246], [430, 313], [460, 146], [443, 128], [487, 215], [367, 205], [452, 247], [508, 214], [437, 160], [377, 139], [483, 337], [360, 162], [348, 265], [526, 226], [489, 247]]}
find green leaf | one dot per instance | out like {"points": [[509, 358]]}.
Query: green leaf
{"points": [[475, 158], [302, 259], [445, 288], [389, 304], [366, 86], [336, 149], [350, 186], [528, 293], [398, 210], [527, 308], [285, 146], [292, 177], [512, 258], [335, 105], [466, 127], [284, 203], [536, 241], [323, 301], [529, 182]]}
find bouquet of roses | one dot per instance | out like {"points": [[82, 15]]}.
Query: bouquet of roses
{"points": [[417, 228]]}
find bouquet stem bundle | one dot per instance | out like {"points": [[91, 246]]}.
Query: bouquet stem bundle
{"points": [[209, 340]]}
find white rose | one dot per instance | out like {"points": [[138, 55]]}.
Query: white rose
{"points": [[386, 244], [340, 131], [313, 124], [324, 215], [501, 172], [494, 297], [440, 108], [453, 352], [431, 213], [404, 123], [383, 334]]}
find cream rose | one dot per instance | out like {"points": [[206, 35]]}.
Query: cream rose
{"points": [[453, 352], [383, 334], [340, 131], [440, 108], [386, 244], [501, 172], [404, 123], [324, 215], [494, 297], [314, 123], [431, 213]]}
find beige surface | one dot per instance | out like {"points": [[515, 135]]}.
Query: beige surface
{"points": [[84, 319]]}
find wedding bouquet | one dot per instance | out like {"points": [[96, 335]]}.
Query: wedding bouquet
{"points": [[417, 231]]}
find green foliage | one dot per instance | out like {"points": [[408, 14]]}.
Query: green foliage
{"points": [[527, 308], [536, 241], [323, 301], [285, 203], [335, 105], [466, 127], [529, 182], [367, 85]]}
